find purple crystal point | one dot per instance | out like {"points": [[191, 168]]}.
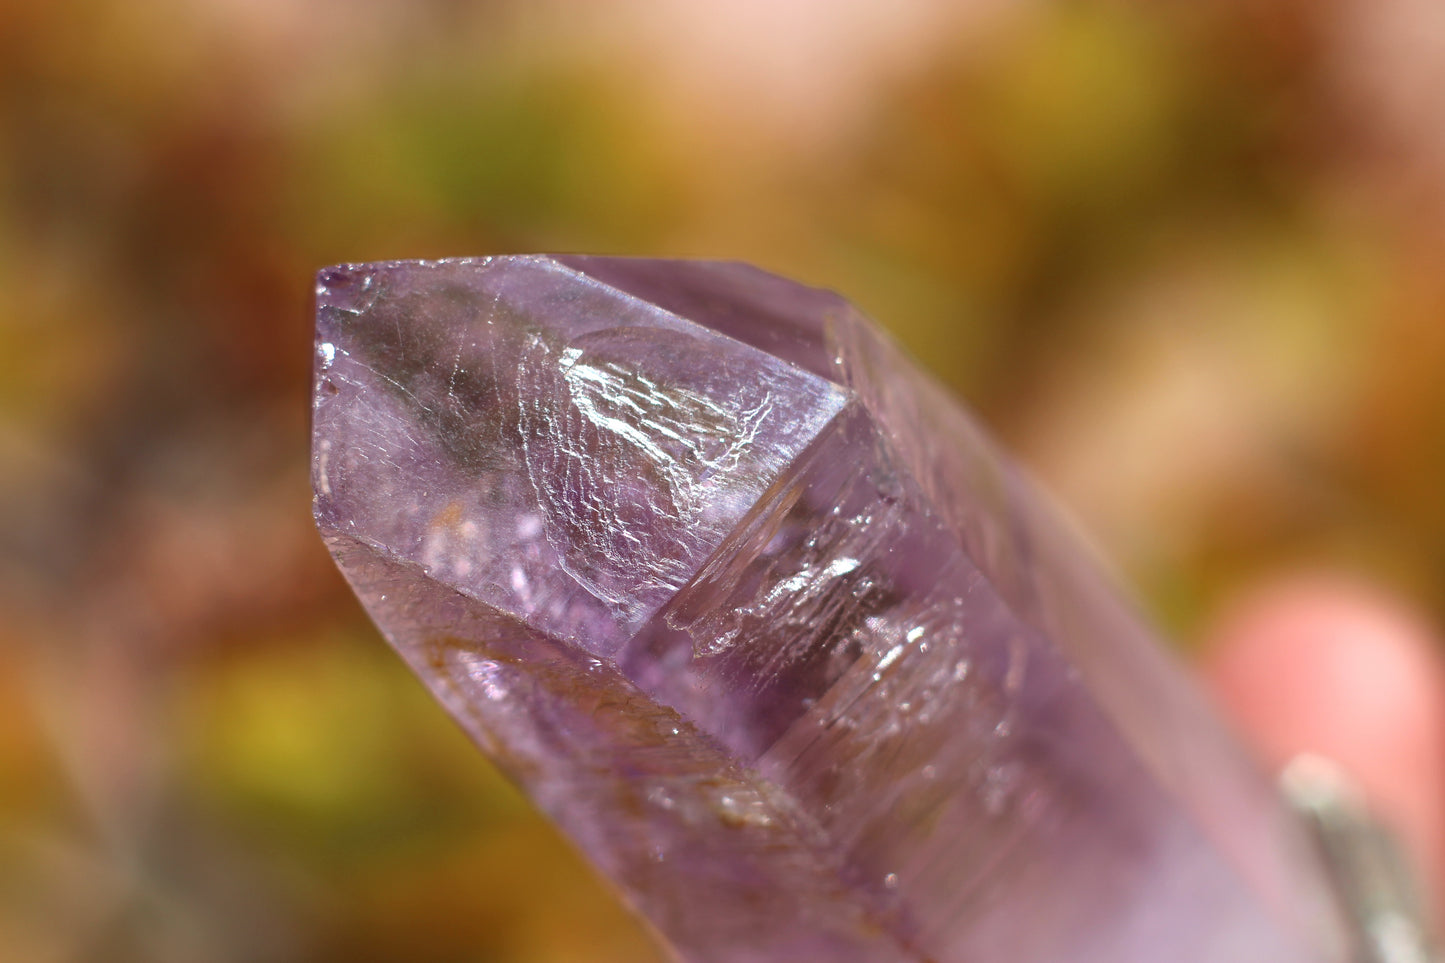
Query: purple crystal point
{"points": [[751, 607]]}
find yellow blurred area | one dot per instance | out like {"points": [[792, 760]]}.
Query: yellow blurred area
{"points": [[1184, 258]]}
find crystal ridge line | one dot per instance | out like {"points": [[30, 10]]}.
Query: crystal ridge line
{"points": [[757, 613]]}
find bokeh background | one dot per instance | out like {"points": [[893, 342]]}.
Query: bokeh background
{"points": [[1187, 258]]}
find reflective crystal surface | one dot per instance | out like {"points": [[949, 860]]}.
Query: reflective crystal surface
{"points": [[752, 608]]}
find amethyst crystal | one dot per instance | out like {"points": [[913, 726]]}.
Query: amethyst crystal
{"points": [[751, 607]]}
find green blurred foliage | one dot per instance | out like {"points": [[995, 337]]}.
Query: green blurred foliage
{"points": [[1180, 256]]}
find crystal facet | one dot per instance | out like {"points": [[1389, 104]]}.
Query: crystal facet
{"points": [[751, 607]]}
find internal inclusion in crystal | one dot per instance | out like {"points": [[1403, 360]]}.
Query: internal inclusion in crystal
{"points": [[754, 611]]}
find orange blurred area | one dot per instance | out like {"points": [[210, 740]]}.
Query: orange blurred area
{"points": [[1184, 258]]}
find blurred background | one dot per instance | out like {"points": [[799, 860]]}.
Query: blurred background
{"points": [[1187, 259]]}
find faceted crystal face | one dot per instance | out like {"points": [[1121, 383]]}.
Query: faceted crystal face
{"points": [[756, 613]]}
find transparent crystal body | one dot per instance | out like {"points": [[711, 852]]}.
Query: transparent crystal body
{"points": [[752, 608]]}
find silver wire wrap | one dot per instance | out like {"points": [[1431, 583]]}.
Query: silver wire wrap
{"points": [[1377, 888]]}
